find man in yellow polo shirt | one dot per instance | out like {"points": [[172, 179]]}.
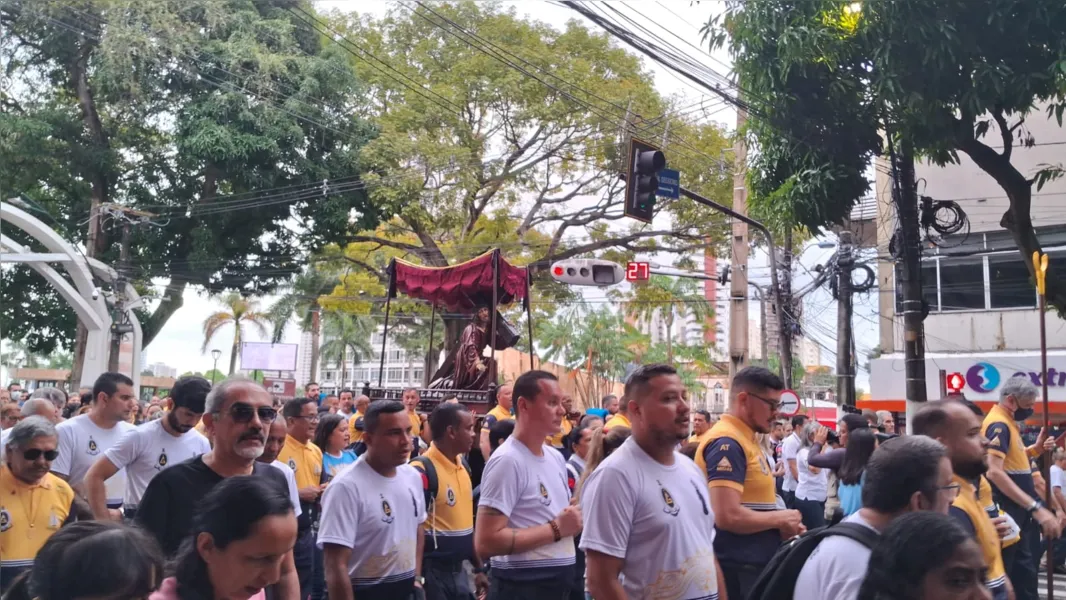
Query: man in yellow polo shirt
{"points": [[34, 503], [621, 418], [1012, 481], [305, 460], [449, 527], [355, 425], [500, 412], [951, 423], [410, 402], [559, 441], [701, 426], [749, 525]]}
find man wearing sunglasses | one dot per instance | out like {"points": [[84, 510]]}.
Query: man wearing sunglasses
{"points": [[238, 414], [34, 503]]}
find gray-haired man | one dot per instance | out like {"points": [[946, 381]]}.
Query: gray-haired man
{"points": [[1012, 481]]}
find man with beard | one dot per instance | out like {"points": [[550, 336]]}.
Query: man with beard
{"points": [[749, 526], [647, 517], [238, 413], [151, 448], [954, 425]]}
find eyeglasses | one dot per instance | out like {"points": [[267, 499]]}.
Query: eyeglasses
{"points": [[310, 419], [35, 453], [243, 413], [952, 490], [774, 406]]}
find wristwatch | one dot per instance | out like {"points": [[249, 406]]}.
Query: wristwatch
{"points": [[482, 569], [1035, 506]]}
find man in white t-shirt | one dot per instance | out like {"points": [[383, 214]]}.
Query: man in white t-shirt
{"points": [[152, 447], [903, 475], [647, 514], [271, 449], [85, 438], [524, 520], [789, 449], [372, 512]]}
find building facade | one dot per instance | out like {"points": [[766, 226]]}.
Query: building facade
{"points": [[983, 320]]}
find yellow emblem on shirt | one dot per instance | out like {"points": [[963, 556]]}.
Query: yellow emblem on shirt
{"points": [[724, 466]]}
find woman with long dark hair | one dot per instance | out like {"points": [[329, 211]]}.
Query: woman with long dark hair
{"points": [[861, 444], [332, 437], [925, 556], [92, 559], [240, 537]]}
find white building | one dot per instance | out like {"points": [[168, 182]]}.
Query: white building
{"points": [[983, 319], [810, 353], [162, 370], [400, 368]]}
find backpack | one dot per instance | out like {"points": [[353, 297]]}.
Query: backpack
{"points": [[432, 483], [778, 579]]}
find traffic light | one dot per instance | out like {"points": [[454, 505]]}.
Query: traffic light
{"points": [[645, 162], [588, 271], [955, 383]]}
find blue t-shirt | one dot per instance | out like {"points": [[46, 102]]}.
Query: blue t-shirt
{"points": [[850, 496], [332, 465]]}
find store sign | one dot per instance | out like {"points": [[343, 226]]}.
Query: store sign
{"points": [[983, 376]]}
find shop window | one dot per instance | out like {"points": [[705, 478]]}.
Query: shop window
{"points": [[1009, 283], [962, 285]]}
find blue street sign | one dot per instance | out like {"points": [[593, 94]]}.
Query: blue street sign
{"points": [[669, 184]]}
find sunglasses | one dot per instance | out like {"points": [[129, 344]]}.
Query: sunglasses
{"points": [[774, 406], [243, 413], [35, 453]]}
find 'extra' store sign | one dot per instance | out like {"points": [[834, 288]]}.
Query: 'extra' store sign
{"points": [[984, 377]]}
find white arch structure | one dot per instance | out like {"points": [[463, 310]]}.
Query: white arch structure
{"points": [[78, 290]]}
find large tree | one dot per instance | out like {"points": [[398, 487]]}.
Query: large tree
{"points": [[229, 120], [509, 131], [825, 77]]}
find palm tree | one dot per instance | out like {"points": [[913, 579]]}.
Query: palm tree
{"points": [[347, 333], [301, 301], [238, 311], [593, 341], [670, 298]]}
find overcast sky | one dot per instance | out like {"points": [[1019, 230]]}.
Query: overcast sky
{"points": [[178, 344]]}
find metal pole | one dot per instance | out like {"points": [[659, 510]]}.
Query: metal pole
{"points": [[432, 322], [492, 311], [775, 289], [943, 383], [385, 329], [529, 319], [214, 372], [1047, 428]]}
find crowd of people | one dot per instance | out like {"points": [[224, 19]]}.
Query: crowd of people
{"points": [[227, 493]]}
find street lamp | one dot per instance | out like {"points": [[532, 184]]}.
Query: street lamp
{"points": [[216, 353]]}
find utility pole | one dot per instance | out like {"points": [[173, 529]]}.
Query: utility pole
{"points": [[786, 312], [845, 308], [909, 273], [738, 289], [120, 320]]}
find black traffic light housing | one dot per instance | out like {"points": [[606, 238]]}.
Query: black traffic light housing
{"points": [[645, 162]]}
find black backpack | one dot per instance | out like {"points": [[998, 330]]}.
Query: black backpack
{"points": [[431, 478], [778, 579]]}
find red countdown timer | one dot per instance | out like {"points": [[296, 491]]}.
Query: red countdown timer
{"points": [[637, 271]]}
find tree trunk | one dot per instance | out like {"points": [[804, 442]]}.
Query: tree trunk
{"points": [[236, 344], [1017, 220], [344, 365], [80, 337], [316, 334], [171, 302], [670, 336]]}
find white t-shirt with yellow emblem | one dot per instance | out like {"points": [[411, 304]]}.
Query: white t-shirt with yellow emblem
{"points": [[658, 519], [149, 449], [379, 518], [81, 443], [531, 490]]}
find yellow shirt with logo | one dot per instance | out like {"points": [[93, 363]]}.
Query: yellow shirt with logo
{"points": [[988, 503], [1005, 441], [732, 459], [619, 420], [559, 440], [305, 460], [416, 423], [355, 434], [498, 413], [29, 515], [969, 511], [449, 526]]}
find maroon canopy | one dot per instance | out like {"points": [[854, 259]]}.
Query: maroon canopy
{"points": [[459, 287]]}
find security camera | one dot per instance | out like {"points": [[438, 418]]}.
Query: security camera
{"points": [[96, 293]]}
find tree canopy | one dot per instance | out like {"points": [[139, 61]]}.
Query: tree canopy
{"points": [[230, 121], [824, 78]]}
